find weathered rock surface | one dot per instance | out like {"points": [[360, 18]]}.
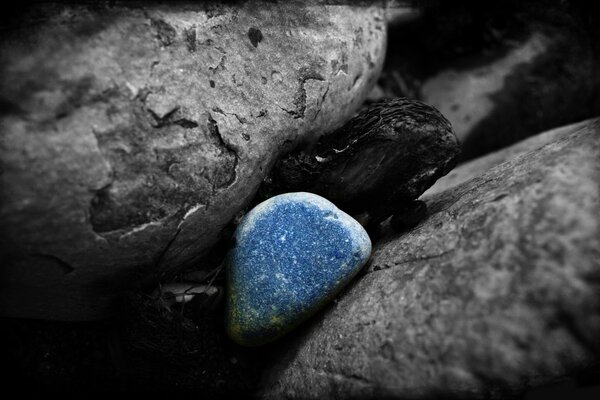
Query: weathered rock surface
{"points": [[130, 136], [381, 159], [496, 290], [474, 168]]}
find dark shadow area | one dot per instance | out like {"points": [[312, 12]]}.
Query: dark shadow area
{"points": [[148, 349], [446, 40]]}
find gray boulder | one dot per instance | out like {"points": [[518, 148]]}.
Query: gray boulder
{"points": [[496, 291], [131, 135], [474, 168]]}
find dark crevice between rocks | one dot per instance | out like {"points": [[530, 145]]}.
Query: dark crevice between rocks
{"points": [[170, 271]]}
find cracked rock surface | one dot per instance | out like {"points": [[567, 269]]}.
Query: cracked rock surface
{"points": [[131, 135], [495, 291]]}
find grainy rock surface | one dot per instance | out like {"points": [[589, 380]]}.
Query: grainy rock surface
{"points": [[495, 291], [474, 168], [131, 135], [293, 253]]}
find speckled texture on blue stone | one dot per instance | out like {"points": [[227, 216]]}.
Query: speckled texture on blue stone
{"points": [[293, 253]]}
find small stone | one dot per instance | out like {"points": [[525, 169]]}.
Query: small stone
{"points": [[293, 253]]}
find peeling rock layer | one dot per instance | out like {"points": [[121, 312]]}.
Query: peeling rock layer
{"points": [[130, 136], [495, 291]]}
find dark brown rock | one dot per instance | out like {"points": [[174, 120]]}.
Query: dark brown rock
{"points": [[131, 135], [495, 291], [378, 162]]}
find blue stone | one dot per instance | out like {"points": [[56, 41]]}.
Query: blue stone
{"points": [[293, 253]]}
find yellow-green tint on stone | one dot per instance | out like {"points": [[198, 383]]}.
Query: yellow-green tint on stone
{"points": [[293, 254]]}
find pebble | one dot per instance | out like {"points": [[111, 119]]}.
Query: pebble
{"points": [[292, 254]]}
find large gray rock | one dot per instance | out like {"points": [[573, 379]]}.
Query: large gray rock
{"points": [[131, 135], [495, 291], [474, 168]]}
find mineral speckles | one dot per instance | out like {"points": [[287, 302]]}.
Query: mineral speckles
{"points": [[293, 253]]}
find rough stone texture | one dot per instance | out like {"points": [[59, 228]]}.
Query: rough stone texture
{"points": [[379, 161], [474, 168], [131, 135], [496, 290]]}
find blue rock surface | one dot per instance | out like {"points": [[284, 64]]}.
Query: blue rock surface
{"points": [[293, 253]]}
